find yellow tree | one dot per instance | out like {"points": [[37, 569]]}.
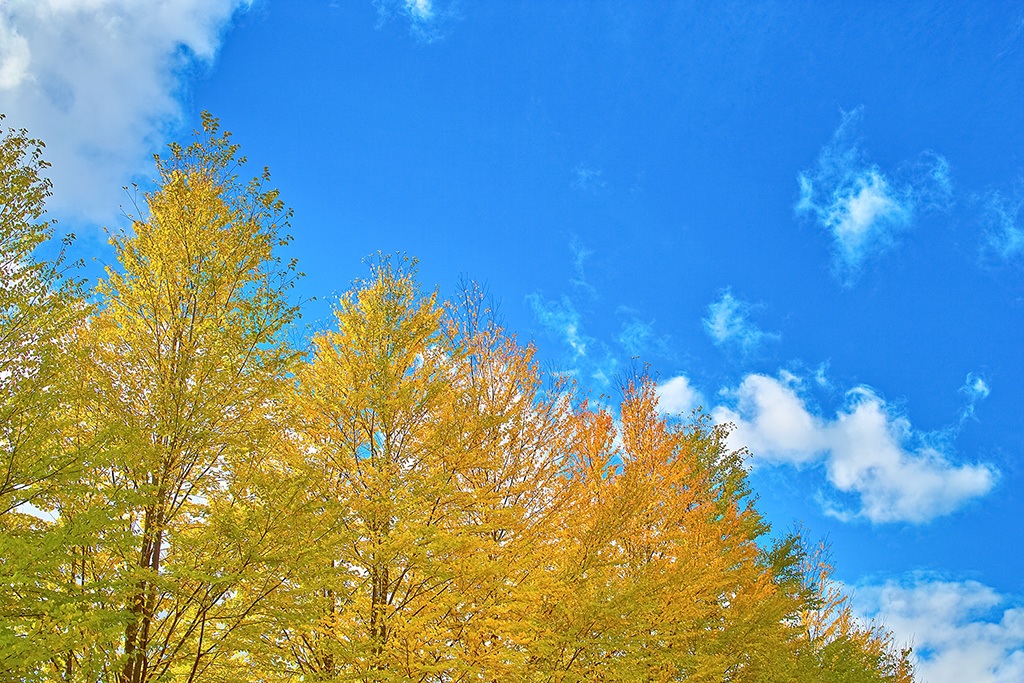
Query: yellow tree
{"points": [[659, 568], [661, 574], [39, 308], [186, 496], [433, 462], [469, 526]]}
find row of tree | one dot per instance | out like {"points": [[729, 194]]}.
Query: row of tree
{"points": [[188, 495]]}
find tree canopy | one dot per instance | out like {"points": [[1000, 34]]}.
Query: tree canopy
{"points": [[188, 495]]}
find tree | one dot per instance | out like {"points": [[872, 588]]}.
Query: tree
{"points": [[431, 460], [660, 576], [832, 644], [471, 526], [39, 309], [185, 500], [197, 503]]}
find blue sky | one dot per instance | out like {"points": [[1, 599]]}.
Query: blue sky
{"points": [[806, 217]]}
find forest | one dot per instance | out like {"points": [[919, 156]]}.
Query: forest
{"points": [[193, 490]]}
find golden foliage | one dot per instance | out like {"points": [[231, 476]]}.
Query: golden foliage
{"points": [[413, 501]]}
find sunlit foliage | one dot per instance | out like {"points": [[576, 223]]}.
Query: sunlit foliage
{"points": [[189, 496]]}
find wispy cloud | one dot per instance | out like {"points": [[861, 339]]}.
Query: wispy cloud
{"points": [[976, 389], [638, 337], [99, 81], [1004, 231], [863, 208], [584, 356], [580, 254], [960, 630], [588, 179], [429, 20], [561, 318], [729, 325], [868, 449], [422, 10]]}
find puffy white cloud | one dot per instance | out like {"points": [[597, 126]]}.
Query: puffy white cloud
{"points": [[729, 325], [772, 421], [867, 449], [960, 631], [863, 208], [99, 81], [678, 397]]}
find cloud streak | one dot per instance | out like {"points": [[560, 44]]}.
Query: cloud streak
{"points": [[560, 318], [869, 451], [1004, 236], [729, 326], [863, 208], [99, 81], [976, 389]]}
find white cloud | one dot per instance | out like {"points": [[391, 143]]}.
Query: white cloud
{"points": [[428, 19], [863, 208], [868, 450], [865, 215], [678, 397], [99, 81], [423, 10], [637, 337], [960, 631], [641, 339], [728, 322], [580, 254], [772, 422], [976, 389]]}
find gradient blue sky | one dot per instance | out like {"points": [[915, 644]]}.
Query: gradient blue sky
{"points": [[806, 216]]}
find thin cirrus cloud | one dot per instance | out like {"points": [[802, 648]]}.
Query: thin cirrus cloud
{"points": [[729, 325], [561, 318], [869, 451], [429, 20], [104, 100], [862, 207], [976, 389], [1004, 236], [960, 630], [588, 358], [588, 179], [640, 338]]}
